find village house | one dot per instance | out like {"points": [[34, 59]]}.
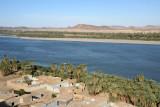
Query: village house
{"points": [[48, 82], [39, 92], [7, 97]]}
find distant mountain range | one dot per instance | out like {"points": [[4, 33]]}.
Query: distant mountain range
{"points": [[87, 27]]}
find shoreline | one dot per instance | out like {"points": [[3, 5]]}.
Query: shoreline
{"points": [[89, 40]]}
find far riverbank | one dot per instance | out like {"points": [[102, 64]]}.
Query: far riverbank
{"points": [[89, 40]]}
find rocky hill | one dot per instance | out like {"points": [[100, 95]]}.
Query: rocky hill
{"points": [[90, 27], [93, 27]]}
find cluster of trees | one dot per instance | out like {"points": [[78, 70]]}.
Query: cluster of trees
{"points": [[56, 34], [49, 34], [138, 91], [64, 70], [8, 67], [130, 36]]}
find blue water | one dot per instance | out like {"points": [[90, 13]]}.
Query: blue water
{"points": [[127, 60]]}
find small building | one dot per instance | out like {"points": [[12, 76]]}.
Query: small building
{"points": [[49, 103], [41, 90], [83, 98], [12, 101], [65, 99], [48, 82], [52, 83], [6, 90], [34, 95], [80, 85], [25, 98]]}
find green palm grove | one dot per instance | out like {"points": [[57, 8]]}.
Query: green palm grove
{"points": [[96, 35], [139, 91]]}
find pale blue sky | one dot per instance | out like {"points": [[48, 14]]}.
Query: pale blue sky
{"points": [[63, 13]]}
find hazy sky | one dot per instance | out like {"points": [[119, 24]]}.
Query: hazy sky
{"points": [[63, 13]]}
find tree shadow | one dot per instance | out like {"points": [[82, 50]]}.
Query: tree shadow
{"points": [[3, 104]]}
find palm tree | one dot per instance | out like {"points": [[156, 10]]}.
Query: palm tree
{"points": [[31, 62], [5, 57], [14, 60], [91, 88], [6, 60], [14, 64], [5, 69], [54, 66], [95, 82], [70, 69], [61, 67], [23, 64], [27, 67], [84, 67], [78, 72], [140, 77], [81, 71]]}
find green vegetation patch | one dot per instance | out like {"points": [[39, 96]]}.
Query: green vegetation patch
{"points": [[95, 35], [20, 92], [54, 95]]}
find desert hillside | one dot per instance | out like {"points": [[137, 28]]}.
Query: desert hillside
{"points": [[93, 27], [89, 28]]}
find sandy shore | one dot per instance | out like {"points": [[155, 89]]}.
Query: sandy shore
{"points": [[90, 40]]}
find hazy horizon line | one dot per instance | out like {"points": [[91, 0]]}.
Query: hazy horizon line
{"points": [[80, 24]]}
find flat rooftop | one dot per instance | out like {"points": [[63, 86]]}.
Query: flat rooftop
{"points": [[7, 96], [5, 88], [49, 80]]}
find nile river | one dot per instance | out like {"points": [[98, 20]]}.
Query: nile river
{"points": [[127, 60]]}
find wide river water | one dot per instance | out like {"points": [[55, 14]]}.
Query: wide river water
{"points": [[127, 60]]}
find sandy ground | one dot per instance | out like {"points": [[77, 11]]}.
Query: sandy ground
{"points": [[91, 40], [3, 79]]}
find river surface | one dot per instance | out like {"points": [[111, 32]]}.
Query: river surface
{"points": [[127, 60]]}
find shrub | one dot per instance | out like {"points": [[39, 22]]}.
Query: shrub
{"points": [[111, 98], [20, 92], [27, 80], [54, 95]]}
